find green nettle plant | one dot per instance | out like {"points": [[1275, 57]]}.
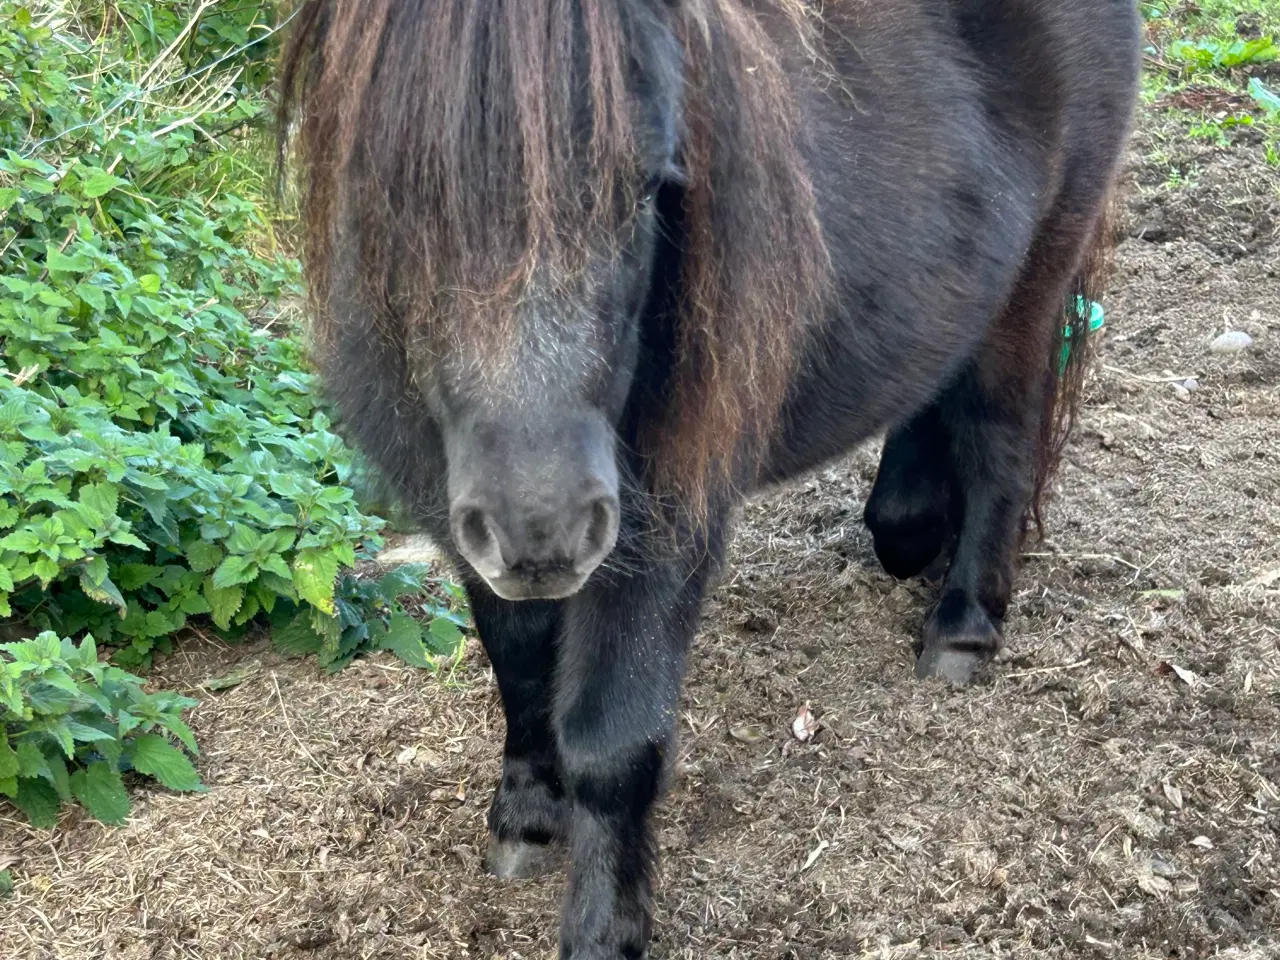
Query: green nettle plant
{"points": [[163, 456], [162, 453], [370, 616], [71, 726]]}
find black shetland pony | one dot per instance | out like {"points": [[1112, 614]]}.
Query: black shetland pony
{"points": [[587, 271]]}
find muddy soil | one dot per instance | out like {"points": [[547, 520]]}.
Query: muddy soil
{"points": [[1111, 787]]}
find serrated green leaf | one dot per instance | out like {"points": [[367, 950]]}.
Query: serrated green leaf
{"points": [[102, 792], [297, 638], [8, 758], [234, 570], [58, 262], [93, 296], [284, 484], [39, 801], [444, 636], [83, 733], [224, 602], [156, 756], [204, 556], [101, 183], [192, 604], [21, 541], [39, 649], [402, 581], [109, 750], [404, 639], [51, 298], [56, 766], [266, 594], [275, 564], [87, 652], [39, 186], [125, 722], [135, 576], [104, 592], [31, 762], [97, 569], [102, 498], [243, 539], [314, 573], [47, 570], [180, 730], [127, 539], [248, 610], [278, 541], [60, 680], [160, 624]]}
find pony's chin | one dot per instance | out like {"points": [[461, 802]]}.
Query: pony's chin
{"points": [[546, 587]]}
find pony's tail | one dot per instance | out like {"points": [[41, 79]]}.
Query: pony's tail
{"points": [[1069, 361]]}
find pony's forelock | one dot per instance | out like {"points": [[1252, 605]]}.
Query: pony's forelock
{"points": [[443, 163]]}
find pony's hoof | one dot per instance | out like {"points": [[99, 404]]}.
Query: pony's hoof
{"points": [[959, 637], [519, 859], [944, 663]]}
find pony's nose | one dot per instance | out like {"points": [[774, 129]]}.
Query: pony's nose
{"points": [[529, 554]]}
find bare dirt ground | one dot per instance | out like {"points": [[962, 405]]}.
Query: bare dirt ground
{"points": [[1111, 788]]}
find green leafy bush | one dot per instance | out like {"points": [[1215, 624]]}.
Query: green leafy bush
{"points": [[162, 454], [70, 726], [371, 617], [1213, 54]]}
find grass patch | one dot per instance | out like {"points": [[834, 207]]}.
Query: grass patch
{"points": [[1213, 67]]}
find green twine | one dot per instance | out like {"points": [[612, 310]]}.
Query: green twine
{"points": [[1097, 317]]}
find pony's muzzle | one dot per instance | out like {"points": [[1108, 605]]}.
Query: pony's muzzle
{"points": [[536, 554]]}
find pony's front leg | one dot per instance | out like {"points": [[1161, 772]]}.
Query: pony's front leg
{"points": [[622, 653], [529, 817]]}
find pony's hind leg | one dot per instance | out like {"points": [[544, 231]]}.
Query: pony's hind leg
{"points": [[992, 438], [529, 817], [912, 512], [993, 416]]}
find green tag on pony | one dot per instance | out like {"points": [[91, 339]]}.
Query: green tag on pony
{"points": [[1097, 318]]}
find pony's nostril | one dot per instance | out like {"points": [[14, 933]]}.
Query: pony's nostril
{"points": [[473, 533], [601, 532]]}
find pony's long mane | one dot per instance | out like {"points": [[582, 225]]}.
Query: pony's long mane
{"points": [[445, 136]]}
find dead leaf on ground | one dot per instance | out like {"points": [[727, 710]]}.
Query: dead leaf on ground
{"points": [[805, 725], [814, 854], [747, 733], [233, 679], [1166, 668], [449, 794], [406, 755], [1270, 578], [1158, 887]]}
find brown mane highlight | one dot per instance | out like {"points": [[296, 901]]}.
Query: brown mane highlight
{"points": [[438, 150], [757, 266]]}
